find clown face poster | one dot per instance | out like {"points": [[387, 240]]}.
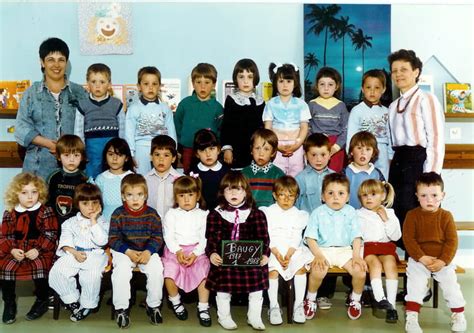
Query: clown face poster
{"points": [[105, 28]]}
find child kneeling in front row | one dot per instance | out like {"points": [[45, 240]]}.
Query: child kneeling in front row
{"points": [[236, 218], [289, 258], [332, 229], [430, 238], [80, 252], [135, 238]]}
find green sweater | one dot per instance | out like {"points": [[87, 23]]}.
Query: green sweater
{"points": [[193, 114], [261, 184]]}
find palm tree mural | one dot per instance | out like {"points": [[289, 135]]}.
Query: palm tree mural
{"points": [[322, 18], [310, 62], [362, 42], [340, 29]]}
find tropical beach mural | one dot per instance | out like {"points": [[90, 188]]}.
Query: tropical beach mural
{"points": [[350, 38]]}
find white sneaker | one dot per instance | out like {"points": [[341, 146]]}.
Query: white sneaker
{"points": [[323, 303], [411, 324], [458, 322], [298, 314], [227, 323], [256, 323], [274, 315]]}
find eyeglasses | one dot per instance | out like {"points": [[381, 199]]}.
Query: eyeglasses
{"points": [[238, 189]]}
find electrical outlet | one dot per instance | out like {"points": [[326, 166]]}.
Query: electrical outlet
{"points": [[455, 133]]}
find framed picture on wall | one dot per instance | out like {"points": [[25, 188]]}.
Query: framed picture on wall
{"points": [[458, 100], [10, 96]]}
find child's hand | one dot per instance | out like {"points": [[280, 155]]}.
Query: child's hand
{"points": [[215, 259], [290, 253], [319, 263], [181, 257], [95, 215], [359, 261], [144, 257], [427, 260], [436, 266], [335, 148], [133, 255], [382, 213], [80, 256], [18, 254], [32, 254], [190, 259], [264, 260], [228, 156]]}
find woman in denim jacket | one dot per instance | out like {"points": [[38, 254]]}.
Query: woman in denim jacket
{"points": [[47, 109]]}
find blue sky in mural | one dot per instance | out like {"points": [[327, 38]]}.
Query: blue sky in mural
{"points": [[374, 21]]}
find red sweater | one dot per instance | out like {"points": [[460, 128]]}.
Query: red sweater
{"points": [[432, 234]]}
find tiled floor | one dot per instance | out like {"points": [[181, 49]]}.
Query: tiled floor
{"points": [[334, 320]]}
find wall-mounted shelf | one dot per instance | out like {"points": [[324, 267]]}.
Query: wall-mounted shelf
{"points": [[459, 156], [9, 156]]}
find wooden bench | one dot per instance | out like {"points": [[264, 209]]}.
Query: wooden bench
{"points": [[465, 226], [402, 272]]}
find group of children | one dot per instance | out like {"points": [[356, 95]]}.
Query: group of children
{"points": [[308, 217]]}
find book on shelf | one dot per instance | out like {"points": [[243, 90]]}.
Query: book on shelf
{"points": [[457, 98]]}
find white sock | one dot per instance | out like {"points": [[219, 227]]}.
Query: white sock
{"points": [[300, 287], [377, 289], [355, 297], [273, 293], [175, 300], [311, 296], [202, 307], [392, 288]]}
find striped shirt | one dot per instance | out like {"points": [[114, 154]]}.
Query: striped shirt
{"points": [[417, 119], [136, 230], [261, 183]]}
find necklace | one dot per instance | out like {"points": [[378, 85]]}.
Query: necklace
{"points": [[408, 102]]}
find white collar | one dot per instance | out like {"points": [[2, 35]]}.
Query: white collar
{"points": [[369, 170], [409, 92], [110, 175], [203, 167], [20, 209], [171, 172], [230, 216]]}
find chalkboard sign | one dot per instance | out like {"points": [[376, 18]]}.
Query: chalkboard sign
{"points": [[241, 253]]}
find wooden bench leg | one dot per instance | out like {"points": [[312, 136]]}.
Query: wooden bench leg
{"points": [[290, 300], [435, 294]]}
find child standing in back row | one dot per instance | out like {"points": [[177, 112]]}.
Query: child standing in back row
{"points": [[98, 118], [243, 111], [329, 115], [287, 115], [147, 118], [370, 115], [198, 111]]}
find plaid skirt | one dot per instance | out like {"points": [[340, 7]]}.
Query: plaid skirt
{"points": [[11, 269], [231, 279]]}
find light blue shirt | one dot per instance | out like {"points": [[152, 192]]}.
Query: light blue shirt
{"points": [[310, 182], [331, 228], [286, 116]]}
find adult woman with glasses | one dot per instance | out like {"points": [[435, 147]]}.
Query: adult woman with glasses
{"points": [[417, 129], [47, 109]]}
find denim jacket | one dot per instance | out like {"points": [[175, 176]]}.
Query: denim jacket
{"points": [[38, 114], [310, 183]]}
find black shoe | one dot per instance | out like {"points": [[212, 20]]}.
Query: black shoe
{"points": [[122, 318], [366, 299], [51, 302], [154, 314], [428, 296], [81, 314], [39, 308], [392, 316], [72, 307], [401, 296], [9, 312], [205, 320], [380, 309], [181, 315]]}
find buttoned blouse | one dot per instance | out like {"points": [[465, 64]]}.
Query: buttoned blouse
{"points": [[374, 229], [286, 116]]}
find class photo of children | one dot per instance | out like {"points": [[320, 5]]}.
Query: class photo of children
{"points": [[235, 166]]}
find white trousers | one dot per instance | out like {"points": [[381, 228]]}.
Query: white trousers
{"points": [[62, 278], [122, 274], [417, 284]]}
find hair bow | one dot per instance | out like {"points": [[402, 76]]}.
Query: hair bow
{"points": [[278, 65], [194, 175], [294, 66]]}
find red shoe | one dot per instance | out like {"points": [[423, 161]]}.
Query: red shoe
{"points": [[309, 308], [354, 310]]}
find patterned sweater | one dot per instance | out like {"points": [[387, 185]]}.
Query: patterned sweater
{"points": [[136, 230], [261, 184]]}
